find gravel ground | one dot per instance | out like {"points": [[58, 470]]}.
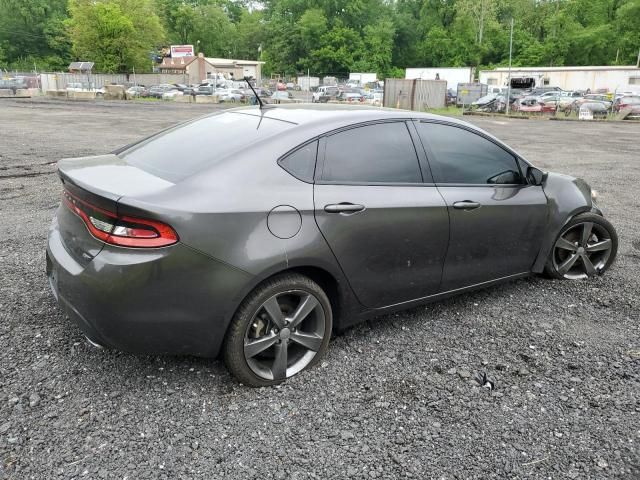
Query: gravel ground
{"points": [[394, 398]]}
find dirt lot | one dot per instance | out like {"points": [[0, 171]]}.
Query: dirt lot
{"points": [[393, 398]]}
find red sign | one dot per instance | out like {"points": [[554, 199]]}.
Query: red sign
{"points": [[178, 51]]}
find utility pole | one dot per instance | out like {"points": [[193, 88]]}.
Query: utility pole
{"points": [[481, 26], [509, 75]]}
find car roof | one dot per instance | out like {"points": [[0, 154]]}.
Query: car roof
{"points": [[312, 113]]}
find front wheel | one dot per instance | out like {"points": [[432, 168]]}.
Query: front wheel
{"points": [[586, 246], [281, 328]]}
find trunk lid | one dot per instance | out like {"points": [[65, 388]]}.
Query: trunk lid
{"points": [[99, 181]]}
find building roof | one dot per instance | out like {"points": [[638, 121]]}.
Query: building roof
{"points": [[82, 66], [179, 63], [564, 69], [231, 61]]}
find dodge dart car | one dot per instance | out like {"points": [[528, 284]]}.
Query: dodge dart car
{"points": [[255, 232]]}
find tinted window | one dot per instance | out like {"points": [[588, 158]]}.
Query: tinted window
{"points": [[381, 153], [460, 156], [186, 149], [302, 163]]}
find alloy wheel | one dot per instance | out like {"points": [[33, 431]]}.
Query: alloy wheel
{"points": [[284, 334], [582, 250]]}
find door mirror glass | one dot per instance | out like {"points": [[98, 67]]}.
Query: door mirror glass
{"points": [[506, 177], [535, 176]]}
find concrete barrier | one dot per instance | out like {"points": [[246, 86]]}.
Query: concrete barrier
{"points": [[56, 93], [27, 92], [206, 99], [6, 92], [114, 92], [82, 95], [184, 99]]}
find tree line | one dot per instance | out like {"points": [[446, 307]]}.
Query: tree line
{"points": [[325, 37]]}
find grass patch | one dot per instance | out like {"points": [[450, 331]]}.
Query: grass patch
{"points": [[450, 111]]}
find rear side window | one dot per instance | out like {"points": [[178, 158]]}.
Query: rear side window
{"points": [[380, 153], [186, 149], [463, 157], [302, 163]]}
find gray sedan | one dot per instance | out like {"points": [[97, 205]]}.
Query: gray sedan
{"points": [[255, 232]]}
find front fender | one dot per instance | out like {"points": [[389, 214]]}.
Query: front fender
{"points": [[567, 197]]}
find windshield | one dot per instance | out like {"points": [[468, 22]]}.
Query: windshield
{"points": [[186, 149]]}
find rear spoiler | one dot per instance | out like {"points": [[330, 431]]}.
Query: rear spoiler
{"points": [[109, 176]]}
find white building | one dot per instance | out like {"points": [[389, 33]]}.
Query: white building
{"points": [[453, 76], [609, 78]]}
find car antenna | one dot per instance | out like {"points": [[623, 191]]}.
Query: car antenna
{"points": [[247, 79]]}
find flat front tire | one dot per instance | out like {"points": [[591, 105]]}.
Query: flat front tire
{"points": [[281, 328], [585, 247]]}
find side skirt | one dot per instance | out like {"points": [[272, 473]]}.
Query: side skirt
{"points": [[367, 314]]}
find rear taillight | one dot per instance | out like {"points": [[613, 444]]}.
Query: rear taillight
{"points": [[121, 231]]}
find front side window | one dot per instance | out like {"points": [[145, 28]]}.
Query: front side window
{"points": [[380, 153], [463, 157]]}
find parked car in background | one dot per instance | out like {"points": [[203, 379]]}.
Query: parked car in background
{"points": [[375, 98], [262, 92], [13, 84], [172, 94], [597, 109], [451, 96], [631, 103], [532, 104], [156, 91], [135, 91], [324, 94], [231, 95], [283, 97], [605, 100], [205, 89], [350, 96], [84, 87]]}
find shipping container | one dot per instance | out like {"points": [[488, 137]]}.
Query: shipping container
{"points": [[470, 92]]}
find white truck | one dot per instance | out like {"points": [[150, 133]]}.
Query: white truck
{"points": [[324, 93], [361, 79]]}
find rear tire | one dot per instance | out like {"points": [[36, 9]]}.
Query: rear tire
{"points": [[281, 328], [585, 247]]}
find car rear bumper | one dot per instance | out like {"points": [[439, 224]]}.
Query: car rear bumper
{"points": [[171, 300]]}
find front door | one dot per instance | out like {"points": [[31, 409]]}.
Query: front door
{"points": [[496, 218], [387, 228]]}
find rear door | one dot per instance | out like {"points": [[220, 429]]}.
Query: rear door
{"points": [[386, 225], [496, 218]]}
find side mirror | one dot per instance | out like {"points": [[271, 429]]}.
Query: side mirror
{"points": [[535, 176]]}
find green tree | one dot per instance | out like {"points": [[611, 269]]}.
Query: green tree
{"points": [[31, 32], [118, 35]]}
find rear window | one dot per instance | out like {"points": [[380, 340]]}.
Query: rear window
{"points": [[186, 149]]}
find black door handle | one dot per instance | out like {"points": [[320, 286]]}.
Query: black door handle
{"points": [[343, 208], [466, 205]]}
